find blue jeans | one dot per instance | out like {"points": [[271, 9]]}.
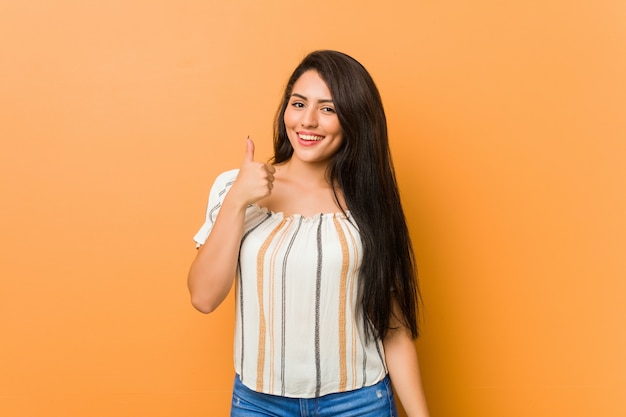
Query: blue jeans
{"points": [[374, 401]]}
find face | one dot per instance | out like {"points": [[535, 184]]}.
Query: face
{"points": [[311, 120]]}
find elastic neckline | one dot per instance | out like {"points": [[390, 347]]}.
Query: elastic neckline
{"points": [[280, 214]]}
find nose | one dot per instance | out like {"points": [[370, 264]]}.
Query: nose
{"points": [[309, 117]]}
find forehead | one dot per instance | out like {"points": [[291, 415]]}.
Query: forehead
{"points": [[311, 84]]}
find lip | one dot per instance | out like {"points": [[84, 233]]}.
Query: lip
{"points": [[309, 142]]}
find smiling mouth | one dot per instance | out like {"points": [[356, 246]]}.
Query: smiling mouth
{"points": [[311, 138]]}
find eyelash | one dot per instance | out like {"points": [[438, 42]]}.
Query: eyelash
{"points": [[300, 105]]}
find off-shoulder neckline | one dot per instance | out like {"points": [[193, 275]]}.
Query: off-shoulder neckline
{"points": [[280, 214]]}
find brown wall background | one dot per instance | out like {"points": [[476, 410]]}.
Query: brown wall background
{"points": [[507, 122]]}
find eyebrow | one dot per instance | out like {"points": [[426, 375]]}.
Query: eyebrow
{"points": [[324, 100]]}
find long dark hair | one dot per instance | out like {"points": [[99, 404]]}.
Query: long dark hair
{"points": [[362, 169]]}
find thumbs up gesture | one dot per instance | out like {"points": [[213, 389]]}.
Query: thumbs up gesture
{"points": [[255, 179]]}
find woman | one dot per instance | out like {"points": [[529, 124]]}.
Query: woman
{"points": [[317, 242]]}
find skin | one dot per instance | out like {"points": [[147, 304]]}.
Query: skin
{"points": [[300, 183], [213, 271], [296, 186], [404, 370]]}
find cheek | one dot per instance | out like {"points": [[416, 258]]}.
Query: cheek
{"points": [[288, 118], [336, 128]]}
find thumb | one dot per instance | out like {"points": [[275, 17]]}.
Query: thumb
{"points": [[249, 150]]}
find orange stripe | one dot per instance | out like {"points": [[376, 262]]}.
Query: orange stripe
{"points": [[355, 256], [272, 304], [345, 264], [262, 325]]}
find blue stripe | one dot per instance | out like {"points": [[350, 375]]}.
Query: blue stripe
{"points": [[318, 292], [284, 313]]}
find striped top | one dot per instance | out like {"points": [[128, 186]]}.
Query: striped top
{"points": [[296, 330]]}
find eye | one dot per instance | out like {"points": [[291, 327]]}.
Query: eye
{"points": [[297, 104], [328, 109]]}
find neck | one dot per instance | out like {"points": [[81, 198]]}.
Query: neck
{"points": [[313, 174]]}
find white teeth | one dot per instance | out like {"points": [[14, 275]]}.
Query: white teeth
{"points": [[311, 137]]}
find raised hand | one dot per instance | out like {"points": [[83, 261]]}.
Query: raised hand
{"points": [[255, 179]]}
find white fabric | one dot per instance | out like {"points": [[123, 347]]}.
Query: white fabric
{"points": [[297, 334]]}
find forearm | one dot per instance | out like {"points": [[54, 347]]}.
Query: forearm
{"points": [[403, 365], [213, 270]]}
